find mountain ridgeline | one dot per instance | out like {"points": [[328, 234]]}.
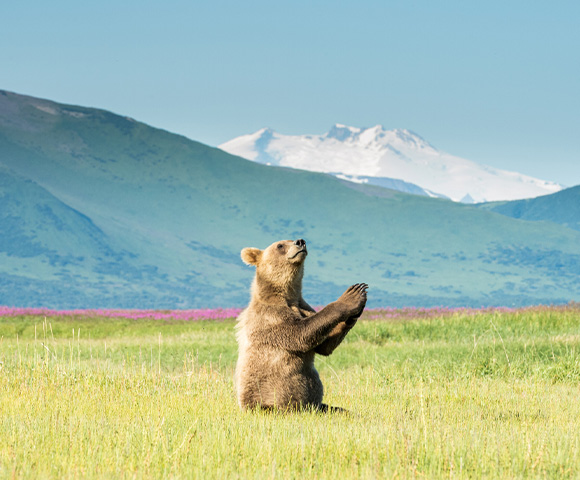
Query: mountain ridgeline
{"points": [[100, 210], [376, 155], [562, 208]]}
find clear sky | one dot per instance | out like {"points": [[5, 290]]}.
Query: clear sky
{"points": [[497, 82]]}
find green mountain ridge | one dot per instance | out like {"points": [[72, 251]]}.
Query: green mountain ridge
{"points": [[127, 215], [562, 208]]}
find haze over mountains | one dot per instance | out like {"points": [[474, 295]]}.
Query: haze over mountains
{"points": [[100, 210], [375, 156]]}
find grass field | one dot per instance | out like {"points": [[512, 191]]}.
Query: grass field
{"points": [[436, 394]]}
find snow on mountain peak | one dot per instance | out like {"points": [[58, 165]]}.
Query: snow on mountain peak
{"points": [[397, 154], [378, 136], [342, 132]]}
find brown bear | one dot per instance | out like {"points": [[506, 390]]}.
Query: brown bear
{"points": [[279, 333]]}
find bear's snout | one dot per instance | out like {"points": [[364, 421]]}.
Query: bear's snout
{"points": [[300, 243]]}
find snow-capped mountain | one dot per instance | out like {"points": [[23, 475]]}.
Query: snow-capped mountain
{"points": [[368, 154]]}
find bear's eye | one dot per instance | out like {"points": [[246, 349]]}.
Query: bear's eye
{"points": [[280, 246]]}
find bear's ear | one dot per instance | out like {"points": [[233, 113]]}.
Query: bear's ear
{"points": [[251, 256]]}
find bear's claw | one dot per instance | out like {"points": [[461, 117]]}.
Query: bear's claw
{"points": [[355, 298]]}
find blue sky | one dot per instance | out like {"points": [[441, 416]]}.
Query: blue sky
{"points": [[497, 82]]}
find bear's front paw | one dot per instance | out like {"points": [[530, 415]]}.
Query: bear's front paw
{"points": [[355, 299]]}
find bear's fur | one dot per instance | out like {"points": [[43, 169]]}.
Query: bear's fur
{"points": [[279, 333]]}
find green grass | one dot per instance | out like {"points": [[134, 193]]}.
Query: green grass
{"points": [[490, 395]]}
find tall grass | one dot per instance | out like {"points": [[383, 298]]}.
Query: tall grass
{"points": [[457, 394]]}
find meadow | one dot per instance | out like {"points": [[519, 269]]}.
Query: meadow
{"points": [[431, 393]]}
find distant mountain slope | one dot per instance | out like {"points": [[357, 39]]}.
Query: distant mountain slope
{"points": [[396, 154], [390, 183], [47, 247], [99, 210], [562, 208], [35, 223]]}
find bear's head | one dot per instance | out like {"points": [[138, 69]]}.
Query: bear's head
{"points": [[279, 268]]}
